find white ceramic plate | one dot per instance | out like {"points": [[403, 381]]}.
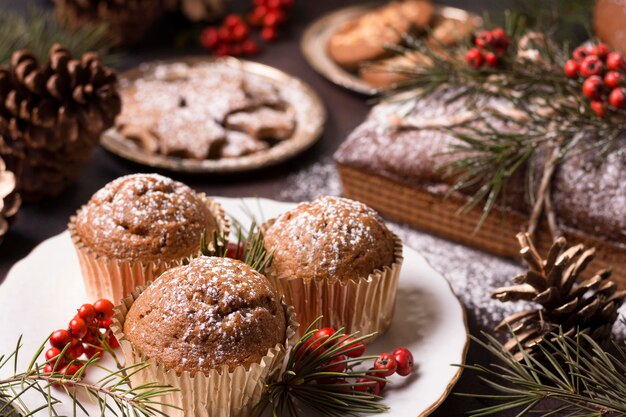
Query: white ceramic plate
{"points": [[41, 293]]}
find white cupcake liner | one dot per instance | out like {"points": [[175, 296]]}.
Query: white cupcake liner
{"points": [[113, 278], [365, 305], [219, 393]]}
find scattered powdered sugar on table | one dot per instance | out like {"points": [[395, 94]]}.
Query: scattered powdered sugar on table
{"points": [[316, 180]]}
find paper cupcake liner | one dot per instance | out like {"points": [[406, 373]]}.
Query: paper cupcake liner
{"points": [[114, 279], [220, 393], [365, 305]]}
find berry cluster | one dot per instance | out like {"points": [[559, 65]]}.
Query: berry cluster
{"points": [[602, 73], [233, 37], [491, 45], [344, 348], [87, 335]]}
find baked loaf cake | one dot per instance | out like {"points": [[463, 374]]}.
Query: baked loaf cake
{"points": [[392, 163], [329, 238], [364, 38], [144, 217], [187, 111], [212, 312]]}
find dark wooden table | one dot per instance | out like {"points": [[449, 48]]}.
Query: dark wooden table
{"points": [[346, 110]]}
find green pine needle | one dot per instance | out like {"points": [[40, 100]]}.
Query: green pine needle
{"points": [[38, 31], [574, 377], [114, 392]]}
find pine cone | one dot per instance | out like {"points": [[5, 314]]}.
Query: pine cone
{"points": [[197, 10], [10, 200], [128, 20], [52, 116], [568, 307]]}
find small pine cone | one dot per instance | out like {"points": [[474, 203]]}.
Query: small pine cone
{"points": [[52, 116], [566, 306], [10, 200], [198, 10], [127, 20]]}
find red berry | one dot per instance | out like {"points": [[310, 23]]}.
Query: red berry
{"points": [[222, 50], [104, 309], [78, 327], [52, 356], [274, 4], [76, 352], [48, 369], [235, 50], [593, 87], [500, 39], [323, 333], [571, 68], [231, 247], [250, 47], [274, 18], [484, 39], [404, 358], [613, 79], [387, 363], [615, 61], [287, 4], [209, 39], [60, 338], [92, 338], [311, 347], [269, 34], [232, 20], [368, 386], [70, 370], [91, 351], [582, 52], [87, 312], [240, 32], [259, 2], [617, 98], [601, 50], [474, 58], [492, 59], [337, 364], [356, 349], [381, 383], [105, 324], [592, 65], [258, 15], [598, 107], [113, 343], [224, 35]]}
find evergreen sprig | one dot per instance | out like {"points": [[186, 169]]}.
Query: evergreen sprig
{"points": [[39, 30], [545, 109], [113, 393], [249, 246], [574, 376], [302, 381]]}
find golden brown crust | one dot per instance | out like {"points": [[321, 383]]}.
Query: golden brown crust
{"points": [[329, 238], [144, 217], [210, 313], [364, 38]]}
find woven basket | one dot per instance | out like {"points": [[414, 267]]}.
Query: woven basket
{"points": [[438, 215]]}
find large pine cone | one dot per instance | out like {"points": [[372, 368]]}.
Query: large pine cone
{"points": [[10, 200], [128, 20], [566, 304], [52, 116]]}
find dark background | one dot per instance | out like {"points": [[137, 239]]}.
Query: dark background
{"points": [[346, 110]]}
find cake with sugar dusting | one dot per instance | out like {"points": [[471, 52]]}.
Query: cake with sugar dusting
{"points": [[330, 238], [335, 257], [212, 312], [136, 227]]}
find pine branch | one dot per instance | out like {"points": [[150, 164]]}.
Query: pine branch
{"points": [[114, 392], [520, 108], [575, 373], [39, 31]]}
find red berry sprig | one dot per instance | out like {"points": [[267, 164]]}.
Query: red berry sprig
{"points": [[86, 337], [602, 73], [491, 46], [233, 37]]}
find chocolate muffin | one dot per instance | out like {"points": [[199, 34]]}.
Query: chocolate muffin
{"points": [[329, 238], [210, 313], [147, 217]]}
